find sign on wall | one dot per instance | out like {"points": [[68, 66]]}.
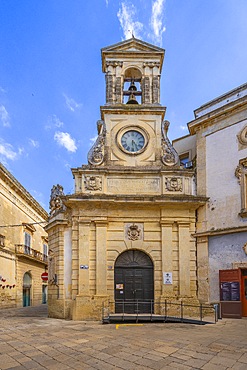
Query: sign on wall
{"points": [[167, 278]]}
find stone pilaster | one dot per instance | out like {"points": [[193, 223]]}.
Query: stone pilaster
{"points": [[84, 262], [202, 268], [146, 90], [166, 253], [184, 259], [101, 262], [156, 90], [118, 90], [109, 88]]}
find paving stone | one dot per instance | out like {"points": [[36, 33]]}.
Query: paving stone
{"points": [[211, 366], [175, 365], [243, 358], [239, 366], [223, 361]]}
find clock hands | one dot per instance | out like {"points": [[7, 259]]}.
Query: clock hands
{"points": [[134, 143]]}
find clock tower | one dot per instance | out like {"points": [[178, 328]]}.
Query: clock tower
{"points": [[125, 233]]}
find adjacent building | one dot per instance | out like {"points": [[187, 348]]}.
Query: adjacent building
{"points": [[218, 144], [23, 245]]}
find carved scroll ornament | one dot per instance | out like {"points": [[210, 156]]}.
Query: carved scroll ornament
{"points": [[242, 136], [97, 153], [169, 155]]}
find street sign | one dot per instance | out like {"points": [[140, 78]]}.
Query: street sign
{"points": [[44, 276]]}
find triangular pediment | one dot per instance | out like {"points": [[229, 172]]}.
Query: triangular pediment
{"points": [[132, 45]]}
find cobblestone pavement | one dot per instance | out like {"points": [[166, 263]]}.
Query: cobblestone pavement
{"points": [[30, 340]]}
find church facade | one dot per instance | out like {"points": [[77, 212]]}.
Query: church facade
{"points": [[126, 234]]}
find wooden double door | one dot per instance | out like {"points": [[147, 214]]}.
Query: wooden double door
{"points": [[134, 283], [244, 293]]}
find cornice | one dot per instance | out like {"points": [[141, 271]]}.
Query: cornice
{"points": [[179, 200], [214, 116], [133, 109], [120, 170], [10, 180], [228, 230]]}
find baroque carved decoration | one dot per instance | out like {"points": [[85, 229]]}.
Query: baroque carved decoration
{"points": [[134, 232], [174, 184], [97, 153], [242, 136], [241, 168], [245, 248], [169, 155], [93, 183], [151, 64], [114, 63], [56, 202]]}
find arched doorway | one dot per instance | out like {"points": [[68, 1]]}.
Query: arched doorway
{"points": [[27, 285], [134, 282]]}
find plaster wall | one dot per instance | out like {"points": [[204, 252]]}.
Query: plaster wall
{"points": [[224, 250], [222, 157]]}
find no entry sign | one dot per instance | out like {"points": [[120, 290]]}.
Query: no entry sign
{"points": [[44, 276]]}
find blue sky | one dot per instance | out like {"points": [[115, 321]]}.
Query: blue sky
{"points": [[52, 85]]}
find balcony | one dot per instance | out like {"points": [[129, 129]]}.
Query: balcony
{"points": [[22, 250]]}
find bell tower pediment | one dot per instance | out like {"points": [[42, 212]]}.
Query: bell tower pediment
{"points": [[132, 46]]}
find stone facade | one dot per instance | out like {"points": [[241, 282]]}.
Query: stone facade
{"points": [[22, 240], [133, 200]]}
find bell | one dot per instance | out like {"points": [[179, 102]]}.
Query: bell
{"points": [[132, 86], [132, 99]]}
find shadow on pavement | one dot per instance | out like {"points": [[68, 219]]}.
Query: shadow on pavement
{"points": [[30, 311]]}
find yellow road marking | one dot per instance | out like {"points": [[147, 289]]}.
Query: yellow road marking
{"points": [[117, 325]]}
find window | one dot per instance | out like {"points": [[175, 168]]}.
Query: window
{"points": [[27, 242], [185, 160], [2, 240], [45, 249]]}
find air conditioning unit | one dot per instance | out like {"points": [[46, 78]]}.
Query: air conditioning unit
{"points": [[188, 164]]}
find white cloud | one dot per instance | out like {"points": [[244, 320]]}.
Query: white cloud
{"points": [[64, 139], [183, 128], [53, 122], [93, 139], [156, 21], [2, 90], [8, 152], [126, 16], [34, 143], [4, 116], [71, 103]]}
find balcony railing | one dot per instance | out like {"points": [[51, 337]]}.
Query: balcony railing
{"points": [[24, 250]]}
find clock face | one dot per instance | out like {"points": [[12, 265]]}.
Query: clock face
{"points": [[132, 141]]}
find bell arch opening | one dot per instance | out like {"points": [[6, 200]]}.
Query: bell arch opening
{"points": [[132, 89]]}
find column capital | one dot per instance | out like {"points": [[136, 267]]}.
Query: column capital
{"points": [[101, 222], [166, 223]]}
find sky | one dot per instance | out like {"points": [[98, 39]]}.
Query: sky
{"points": [[52, 85]]}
